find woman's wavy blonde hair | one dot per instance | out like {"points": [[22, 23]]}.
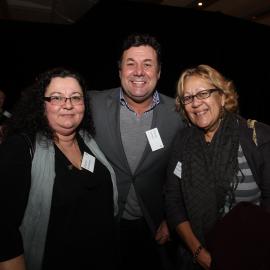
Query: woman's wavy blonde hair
{"points": [[216, 79]]}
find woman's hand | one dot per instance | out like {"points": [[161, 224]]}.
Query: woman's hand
{"points": [[204, 259], [17, 263]]}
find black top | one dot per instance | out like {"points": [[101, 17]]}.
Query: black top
{"points": [[81, 226]]}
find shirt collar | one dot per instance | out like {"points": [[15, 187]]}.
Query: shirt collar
{"points": [[155, 101]]}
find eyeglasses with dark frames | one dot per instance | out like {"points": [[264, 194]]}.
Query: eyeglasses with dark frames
{"points": [[200, 95], [61, 100]]}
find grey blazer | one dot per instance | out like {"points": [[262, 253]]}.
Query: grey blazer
{"points": [[149, 177]]}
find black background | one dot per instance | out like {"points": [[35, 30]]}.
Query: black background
{"points": [[236, 47]]}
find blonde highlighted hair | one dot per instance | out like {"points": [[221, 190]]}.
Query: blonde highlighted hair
{"points": [[216, 79]]}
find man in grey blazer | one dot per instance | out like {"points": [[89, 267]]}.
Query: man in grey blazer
{"points": [[135, 126]]}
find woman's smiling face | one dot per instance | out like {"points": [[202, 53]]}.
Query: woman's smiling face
{"points": [[203, 113]]}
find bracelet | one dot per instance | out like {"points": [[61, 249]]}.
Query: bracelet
{"points": [[196, 253]]}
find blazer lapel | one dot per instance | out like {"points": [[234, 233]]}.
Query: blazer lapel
{"points": [[113, 116], [142, 164], [160, 122]]}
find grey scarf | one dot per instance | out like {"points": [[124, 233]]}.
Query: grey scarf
{"points": [[208, 171], [37, 213]]}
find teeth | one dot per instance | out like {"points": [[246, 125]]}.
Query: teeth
{"points": [[200, 113]]}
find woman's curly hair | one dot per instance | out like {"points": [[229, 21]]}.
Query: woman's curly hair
{"points": [[216, 79], [29, 113]]}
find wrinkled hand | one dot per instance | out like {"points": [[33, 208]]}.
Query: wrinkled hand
{"points": [[204, 259], [162, 234]]}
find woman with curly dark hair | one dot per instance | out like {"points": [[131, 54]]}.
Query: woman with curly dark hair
{"points": [[57, 190]]}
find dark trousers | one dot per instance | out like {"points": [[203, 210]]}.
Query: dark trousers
{"points": [[138, 248]]}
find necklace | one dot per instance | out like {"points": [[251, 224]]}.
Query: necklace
{"points": [[72, 153]]}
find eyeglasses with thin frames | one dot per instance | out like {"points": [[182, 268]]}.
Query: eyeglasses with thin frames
{"points": [[200, 95], [61, 100]]}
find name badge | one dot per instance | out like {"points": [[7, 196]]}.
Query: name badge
{"points": [[88, 162], [154, 139], [178, 169]]}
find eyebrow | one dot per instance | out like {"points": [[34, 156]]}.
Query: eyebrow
{"points": [[60, 93], [144, 60], [189, 91]]}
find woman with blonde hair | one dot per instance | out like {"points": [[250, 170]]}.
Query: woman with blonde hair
{"points": [[218, 162]]}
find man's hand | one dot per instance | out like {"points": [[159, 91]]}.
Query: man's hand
{"points": [[162, 234]]}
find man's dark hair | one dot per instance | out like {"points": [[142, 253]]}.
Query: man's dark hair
{"points": [[136, 40]]}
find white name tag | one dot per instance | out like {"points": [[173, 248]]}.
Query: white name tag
{"points": [[88, 162], [178, 169], [154, 139]]}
